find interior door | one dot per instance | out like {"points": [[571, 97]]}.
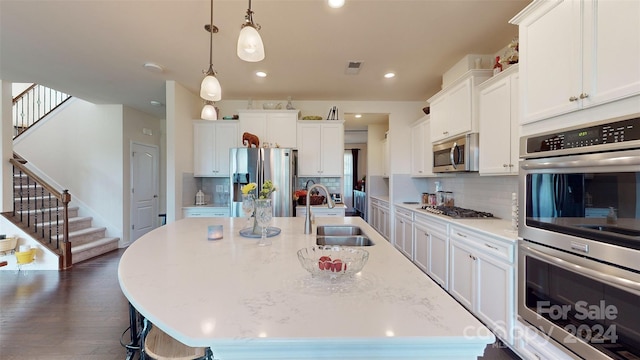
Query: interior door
{"points": [[144, 189]]}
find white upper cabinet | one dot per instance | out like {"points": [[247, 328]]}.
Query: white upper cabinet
{"points": [[421, 150], [499, 126], [454, 109], [276, 127], [321, 148], [211, 143], [577, 54]]}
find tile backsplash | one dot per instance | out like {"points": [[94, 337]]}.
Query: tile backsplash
{"points": [[333, 184], [483, 193]]}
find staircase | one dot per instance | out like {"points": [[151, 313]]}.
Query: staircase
{"points": [[40, 215]]}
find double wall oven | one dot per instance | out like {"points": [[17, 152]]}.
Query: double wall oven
{"points": [[579, 257]]}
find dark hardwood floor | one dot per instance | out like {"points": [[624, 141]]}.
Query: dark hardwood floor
{"points": [[78, 314]]}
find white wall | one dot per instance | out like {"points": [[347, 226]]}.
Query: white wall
{"points": [[182, 108], [87, 160], [6, 139]]}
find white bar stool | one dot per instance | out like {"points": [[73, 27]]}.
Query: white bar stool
{"points": [[158, 345]]}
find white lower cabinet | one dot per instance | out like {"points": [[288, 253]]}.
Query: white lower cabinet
{"points": [[379, 218], [403, 232], [431, 248], [205, 212], [482, 278], [321, 211]]}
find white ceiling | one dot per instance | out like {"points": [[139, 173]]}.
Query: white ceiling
{"points": [[95, 49]]}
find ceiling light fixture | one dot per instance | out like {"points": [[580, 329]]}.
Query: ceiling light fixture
{"points": [[261, 74], [153, 67], [358, 116], [250, 47], [389, 75], [335, 3], [210, 88], [209, 111]]}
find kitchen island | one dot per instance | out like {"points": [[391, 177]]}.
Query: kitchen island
{"points": [[251, 302]]}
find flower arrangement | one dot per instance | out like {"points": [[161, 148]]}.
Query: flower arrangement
{"points": [[250, 187], [265, 192]]}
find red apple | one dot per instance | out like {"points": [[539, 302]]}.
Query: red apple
{"points": [[337, 265], [324, 263]]}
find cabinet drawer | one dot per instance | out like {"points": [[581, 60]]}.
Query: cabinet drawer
{"points": [[205, 212], [486, 244], [432, 224], [407, 214]]}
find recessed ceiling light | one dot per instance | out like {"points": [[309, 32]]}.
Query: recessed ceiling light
{"points": [[389, 75], [261, 74], [358, 116], [335, 3], [156, 103], [153, 67]]}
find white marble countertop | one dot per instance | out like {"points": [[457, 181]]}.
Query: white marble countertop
{"points": [[493, 227], [250, 302], [380, 197]]}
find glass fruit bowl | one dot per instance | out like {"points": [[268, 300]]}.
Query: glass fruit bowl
{"points": [[332, 262]]}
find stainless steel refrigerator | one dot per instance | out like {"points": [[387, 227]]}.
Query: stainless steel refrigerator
{"points": [[258, 165]]}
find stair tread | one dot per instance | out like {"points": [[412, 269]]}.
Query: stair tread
{"points": [[92, 244], [74, 219], [81, 232], [47, 210]]}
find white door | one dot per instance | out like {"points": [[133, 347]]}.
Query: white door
{"points": [[144, 189]]}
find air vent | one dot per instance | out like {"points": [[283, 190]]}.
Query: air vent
{"points": [[353, 67]]}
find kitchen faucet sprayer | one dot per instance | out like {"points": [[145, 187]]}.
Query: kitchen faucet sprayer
{"points": [[307, 217]]}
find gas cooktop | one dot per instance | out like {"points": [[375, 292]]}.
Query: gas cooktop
{"points": [[457, 212]]}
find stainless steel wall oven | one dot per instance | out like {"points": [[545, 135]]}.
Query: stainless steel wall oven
{"points": [[579, 257]]}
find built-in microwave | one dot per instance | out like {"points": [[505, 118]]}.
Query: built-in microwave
{"points": [[459, 154]]}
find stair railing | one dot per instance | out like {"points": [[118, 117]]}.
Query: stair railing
{"points": [[33, 104], [42, 210]]}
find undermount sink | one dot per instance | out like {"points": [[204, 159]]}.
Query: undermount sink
{"points": [[338, 230], [344, 240], [345, 235]]}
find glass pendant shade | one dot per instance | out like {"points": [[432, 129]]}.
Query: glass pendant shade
{"points": [[210, 89], [336, 3], [250, 46], [209, 112]]}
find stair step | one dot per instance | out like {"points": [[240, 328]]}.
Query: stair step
{"points": [[93, 249], [40, 201], [46, 209], [75, 223], [45, 214], [83, 236]]}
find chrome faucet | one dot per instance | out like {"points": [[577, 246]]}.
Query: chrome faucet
{"points": [[307, 217]]}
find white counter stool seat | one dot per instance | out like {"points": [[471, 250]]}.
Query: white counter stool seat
{"points": [[159, 345]]}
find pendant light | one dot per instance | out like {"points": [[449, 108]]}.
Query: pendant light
{"points": [[209, 111], [250, 47], [210, 88]]}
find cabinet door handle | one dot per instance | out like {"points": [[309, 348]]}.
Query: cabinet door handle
{"points": [[461, 235], [505, 165], [573, 98], [490, 246], [584, 96]]}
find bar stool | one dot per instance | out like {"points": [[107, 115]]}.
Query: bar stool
{"points": [[158, 345]]}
